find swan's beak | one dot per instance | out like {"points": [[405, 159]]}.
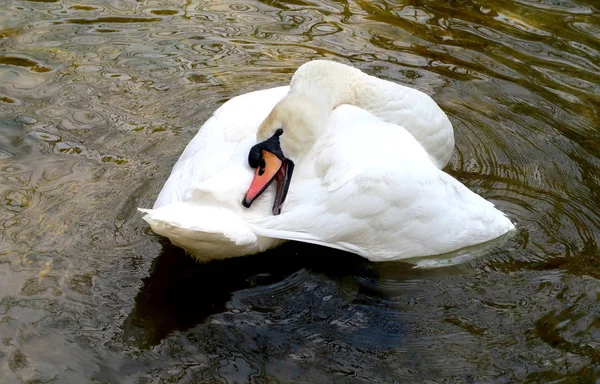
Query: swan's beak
{"points": [[283, 177], [263, 176], [272, 168]]}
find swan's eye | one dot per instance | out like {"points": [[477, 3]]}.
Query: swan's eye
{"points": [[278, 132], [262, 167]]}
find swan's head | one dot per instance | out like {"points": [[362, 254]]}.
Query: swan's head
{"points": [[284, 137]]}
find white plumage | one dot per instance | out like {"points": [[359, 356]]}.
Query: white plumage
{"points": [[368, 155]]}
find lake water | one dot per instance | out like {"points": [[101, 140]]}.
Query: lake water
{"points": [[99, 97]]}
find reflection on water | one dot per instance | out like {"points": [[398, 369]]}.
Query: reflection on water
{"points": [[98, 99], [180, 293]]}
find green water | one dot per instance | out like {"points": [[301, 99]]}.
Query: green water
{"points": [[99, 98]]}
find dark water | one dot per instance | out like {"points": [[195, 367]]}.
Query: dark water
{"points": [[98, 99]]}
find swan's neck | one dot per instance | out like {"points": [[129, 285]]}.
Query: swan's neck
{"points": [[331, 84]]}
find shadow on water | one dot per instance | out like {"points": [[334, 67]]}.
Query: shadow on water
{"points": [[181, 293]]}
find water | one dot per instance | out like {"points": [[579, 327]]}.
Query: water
{"points": [[99, 98]]}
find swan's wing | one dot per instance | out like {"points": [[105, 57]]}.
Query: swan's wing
{"points": [[235, 123], [372, 190]]}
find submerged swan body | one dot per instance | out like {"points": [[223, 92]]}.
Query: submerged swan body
{"points": [[366, 156]]}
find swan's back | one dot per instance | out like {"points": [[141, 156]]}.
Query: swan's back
{"points": [[372, 189]]}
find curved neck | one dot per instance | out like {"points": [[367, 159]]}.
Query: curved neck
{"points": [[333, 84]]}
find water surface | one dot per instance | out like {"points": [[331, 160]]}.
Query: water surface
{"points": [[99, 98]]}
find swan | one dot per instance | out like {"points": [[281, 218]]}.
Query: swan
{"points": [[338, 158]]}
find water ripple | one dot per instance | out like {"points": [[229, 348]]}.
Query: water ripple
{"points": [[97, 101]]}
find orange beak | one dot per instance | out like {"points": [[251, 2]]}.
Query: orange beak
{"points": [[263, 176], [271, 168]]}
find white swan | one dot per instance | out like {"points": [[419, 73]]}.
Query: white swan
{"points": [[361, 156]]}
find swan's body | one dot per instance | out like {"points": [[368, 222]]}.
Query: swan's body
{"points": [[368, 156]]}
